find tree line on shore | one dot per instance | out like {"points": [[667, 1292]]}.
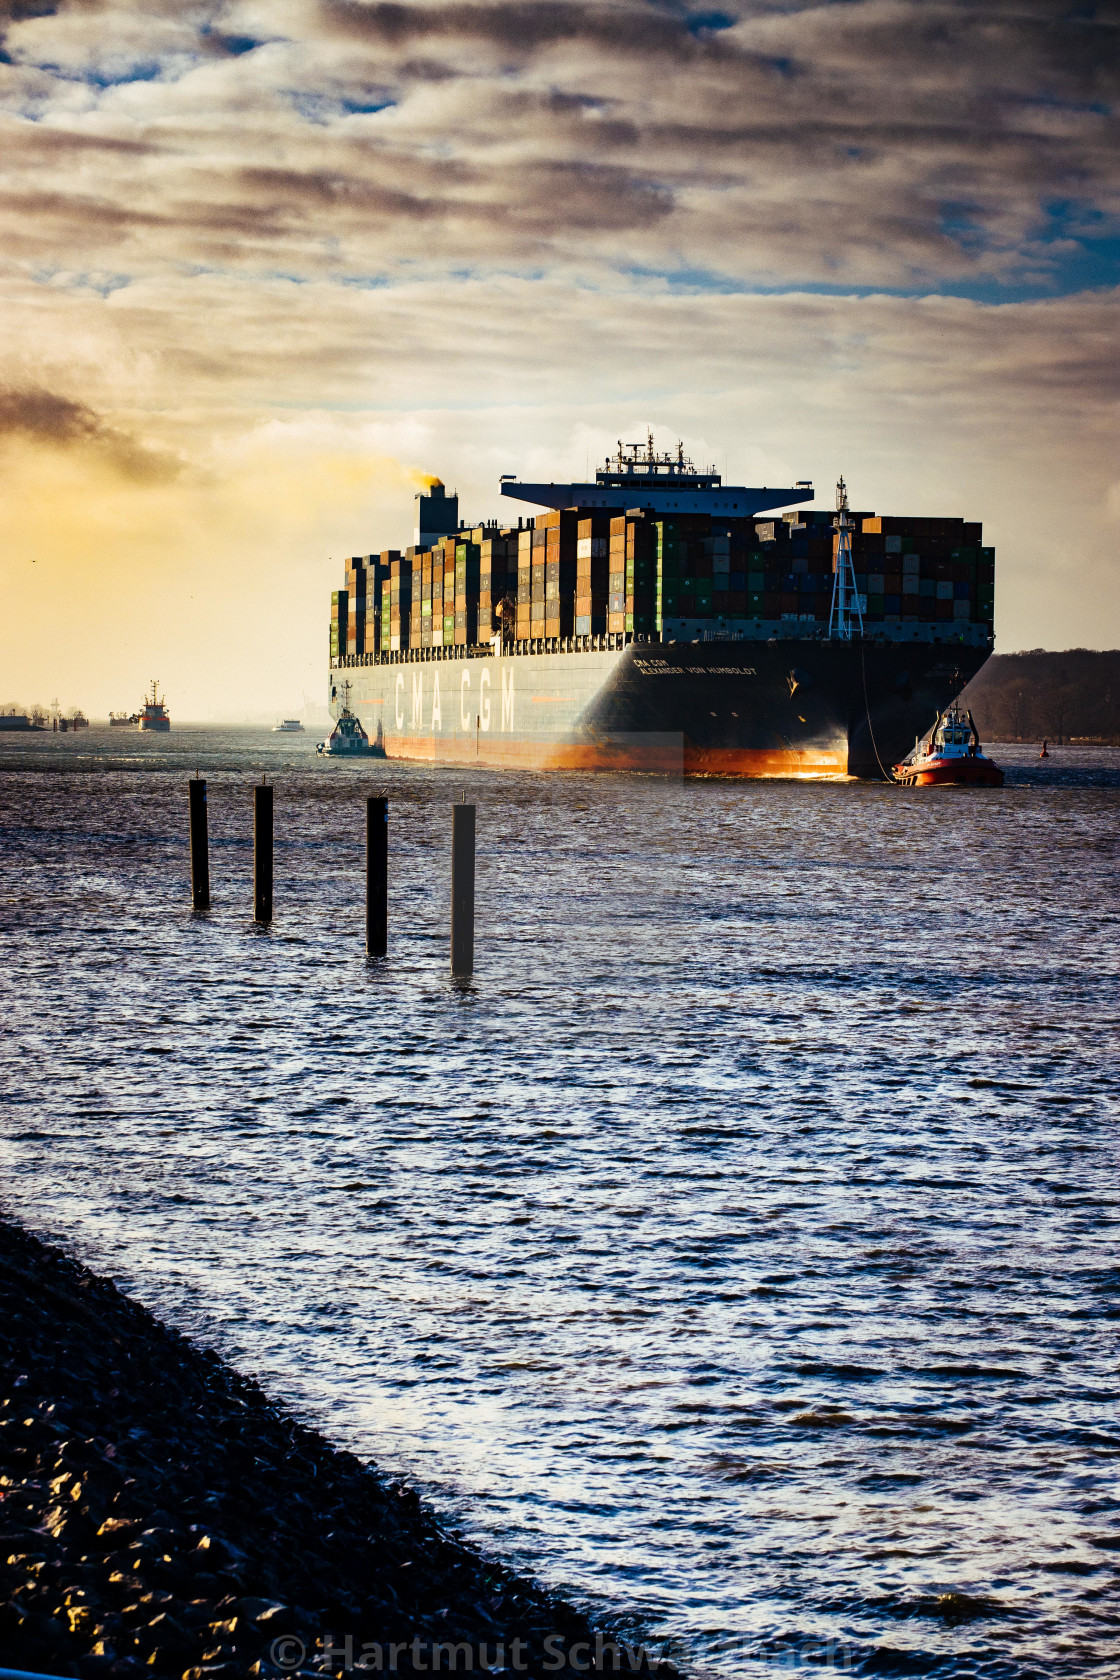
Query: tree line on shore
{"points": [[1062, 697]]}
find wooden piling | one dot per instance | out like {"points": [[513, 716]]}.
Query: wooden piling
{"points": [[377, 876], [200, 846], [262, 853], [462, 889]]}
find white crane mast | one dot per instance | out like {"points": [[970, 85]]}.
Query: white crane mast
{"points": [[846, 616]]}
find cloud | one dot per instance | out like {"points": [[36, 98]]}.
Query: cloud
{"points": [[44, 417], [906, 143], [248, 248], [520, 28]]}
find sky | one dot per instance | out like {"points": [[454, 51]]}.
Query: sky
{"points": [[265, 268]]}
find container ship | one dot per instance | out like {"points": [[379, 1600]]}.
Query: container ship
{"points": [[656, 619]]}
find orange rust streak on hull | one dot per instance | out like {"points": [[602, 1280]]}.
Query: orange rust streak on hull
{"points": [[660, 757], [761, 761]]}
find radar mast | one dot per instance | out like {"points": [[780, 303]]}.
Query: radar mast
{"points": [[642, 462]]}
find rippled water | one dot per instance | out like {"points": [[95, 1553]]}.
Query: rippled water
{"points": [[739, 1248]]}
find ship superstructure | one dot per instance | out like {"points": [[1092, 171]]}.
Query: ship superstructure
{"points": [[638, 476], [700, 641]]}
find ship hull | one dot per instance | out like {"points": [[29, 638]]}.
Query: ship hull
{"points": [[737, 709], [950, 772]]}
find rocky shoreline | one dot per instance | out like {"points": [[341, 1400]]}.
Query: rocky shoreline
{"points": [[160, 1515]]}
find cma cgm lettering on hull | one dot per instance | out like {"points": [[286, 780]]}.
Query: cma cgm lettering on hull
{"points": [[658, 620]]}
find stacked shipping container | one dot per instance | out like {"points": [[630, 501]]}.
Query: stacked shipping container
{"points": [[340, 614], [574, 573], [593, 541], [497, 581], [925, 570]]}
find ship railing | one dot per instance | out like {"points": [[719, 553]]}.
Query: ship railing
{"points": [[977, 634], [609, 642]]}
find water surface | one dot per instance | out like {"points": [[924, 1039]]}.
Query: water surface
{"points": [[737, 1251]]}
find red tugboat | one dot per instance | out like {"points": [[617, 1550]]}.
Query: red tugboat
{"points": [[949, 756]]}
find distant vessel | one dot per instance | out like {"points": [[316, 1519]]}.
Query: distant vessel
{"points": [[18, 721], [123, 720], [348, 739], [153, 713], [288, 726], [77, 720], [950, 755]]}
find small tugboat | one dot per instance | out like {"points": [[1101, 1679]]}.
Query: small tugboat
{"points": [[949, 756], [348, 739], [153, 713], [288, 726]]}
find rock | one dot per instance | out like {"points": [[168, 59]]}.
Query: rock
{"points": [[159, 1541], [155, 1600], [209, 1553], [93, 1668], [164, 1632], [276, 1618], [213, 1586], [254, 1608]]}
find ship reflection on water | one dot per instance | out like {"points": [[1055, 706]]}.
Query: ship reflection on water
{"points": [[737, 1249]]}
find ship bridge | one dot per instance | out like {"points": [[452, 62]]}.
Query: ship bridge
{"points": [[639, 477]]}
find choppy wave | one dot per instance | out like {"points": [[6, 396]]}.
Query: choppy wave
{"points": [[740, 1246]]}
